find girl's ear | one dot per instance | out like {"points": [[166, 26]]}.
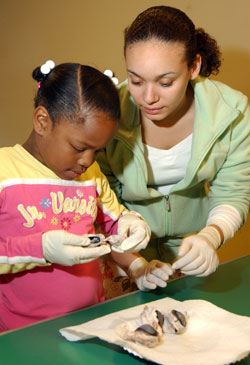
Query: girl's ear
{"points": [[195, 69], [41, 120]]}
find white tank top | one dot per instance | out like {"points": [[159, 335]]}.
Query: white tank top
{"points": [[167, 167]]}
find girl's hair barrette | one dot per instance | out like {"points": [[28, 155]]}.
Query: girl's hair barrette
{"points": [[47, 67], [110, 74]]}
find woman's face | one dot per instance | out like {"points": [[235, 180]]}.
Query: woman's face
{"points": [[158, 76], [68, 149]]}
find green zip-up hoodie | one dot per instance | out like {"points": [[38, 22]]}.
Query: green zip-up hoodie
{"points": [[220, 160]]}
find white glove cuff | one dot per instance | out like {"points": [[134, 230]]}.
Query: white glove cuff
{"points": [[227, 218], [131, 212], [44, 247], [212, 234], [136, 266]]}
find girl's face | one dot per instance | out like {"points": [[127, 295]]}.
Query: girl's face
{"points": [[68, 149], [158, 77]]}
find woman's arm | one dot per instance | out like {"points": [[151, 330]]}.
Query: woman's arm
{"points": [[231, 185], [146, 275]]}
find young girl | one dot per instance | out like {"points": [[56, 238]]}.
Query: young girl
{"points": [[182, 150], [52, 193]]}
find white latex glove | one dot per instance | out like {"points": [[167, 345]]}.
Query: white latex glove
{"points": [[137, 231], [68, 249], [197, 253], [149, 275]]}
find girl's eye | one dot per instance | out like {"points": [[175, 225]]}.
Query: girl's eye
{"points": [[78, 149]]}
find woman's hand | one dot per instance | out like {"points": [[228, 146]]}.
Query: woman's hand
{"points": [[197, 253], [137, 231], [149, 275]]}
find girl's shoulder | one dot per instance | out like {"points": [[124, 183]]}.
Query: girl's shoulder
{"points": [[9, 153]]}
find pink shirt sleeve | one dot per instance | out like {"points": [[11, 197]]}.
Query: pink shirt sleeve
{"points": [[21, 253]]}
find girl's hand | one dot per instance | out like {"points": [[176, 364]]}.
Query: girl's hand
{"points": [[69, 249], [149, 275], [137, 231], [197, 253]]}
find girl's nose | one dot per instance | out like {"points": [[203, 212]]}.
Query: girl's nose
{"points": [[86, 159], [150, 95]]}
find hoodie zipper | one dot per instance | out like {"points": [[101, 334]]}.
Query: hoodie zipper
{"points": [[168, 207]]}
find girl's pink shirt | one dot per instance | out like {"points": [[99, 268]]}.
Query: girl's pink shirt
{"points": [[33, 201]]}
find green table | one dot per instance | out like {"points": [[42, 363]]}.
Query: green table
{"points": [[228, 288]]}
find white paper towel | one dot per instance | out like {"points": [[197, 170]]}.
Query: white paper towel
{"points": [[213, 336]]}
